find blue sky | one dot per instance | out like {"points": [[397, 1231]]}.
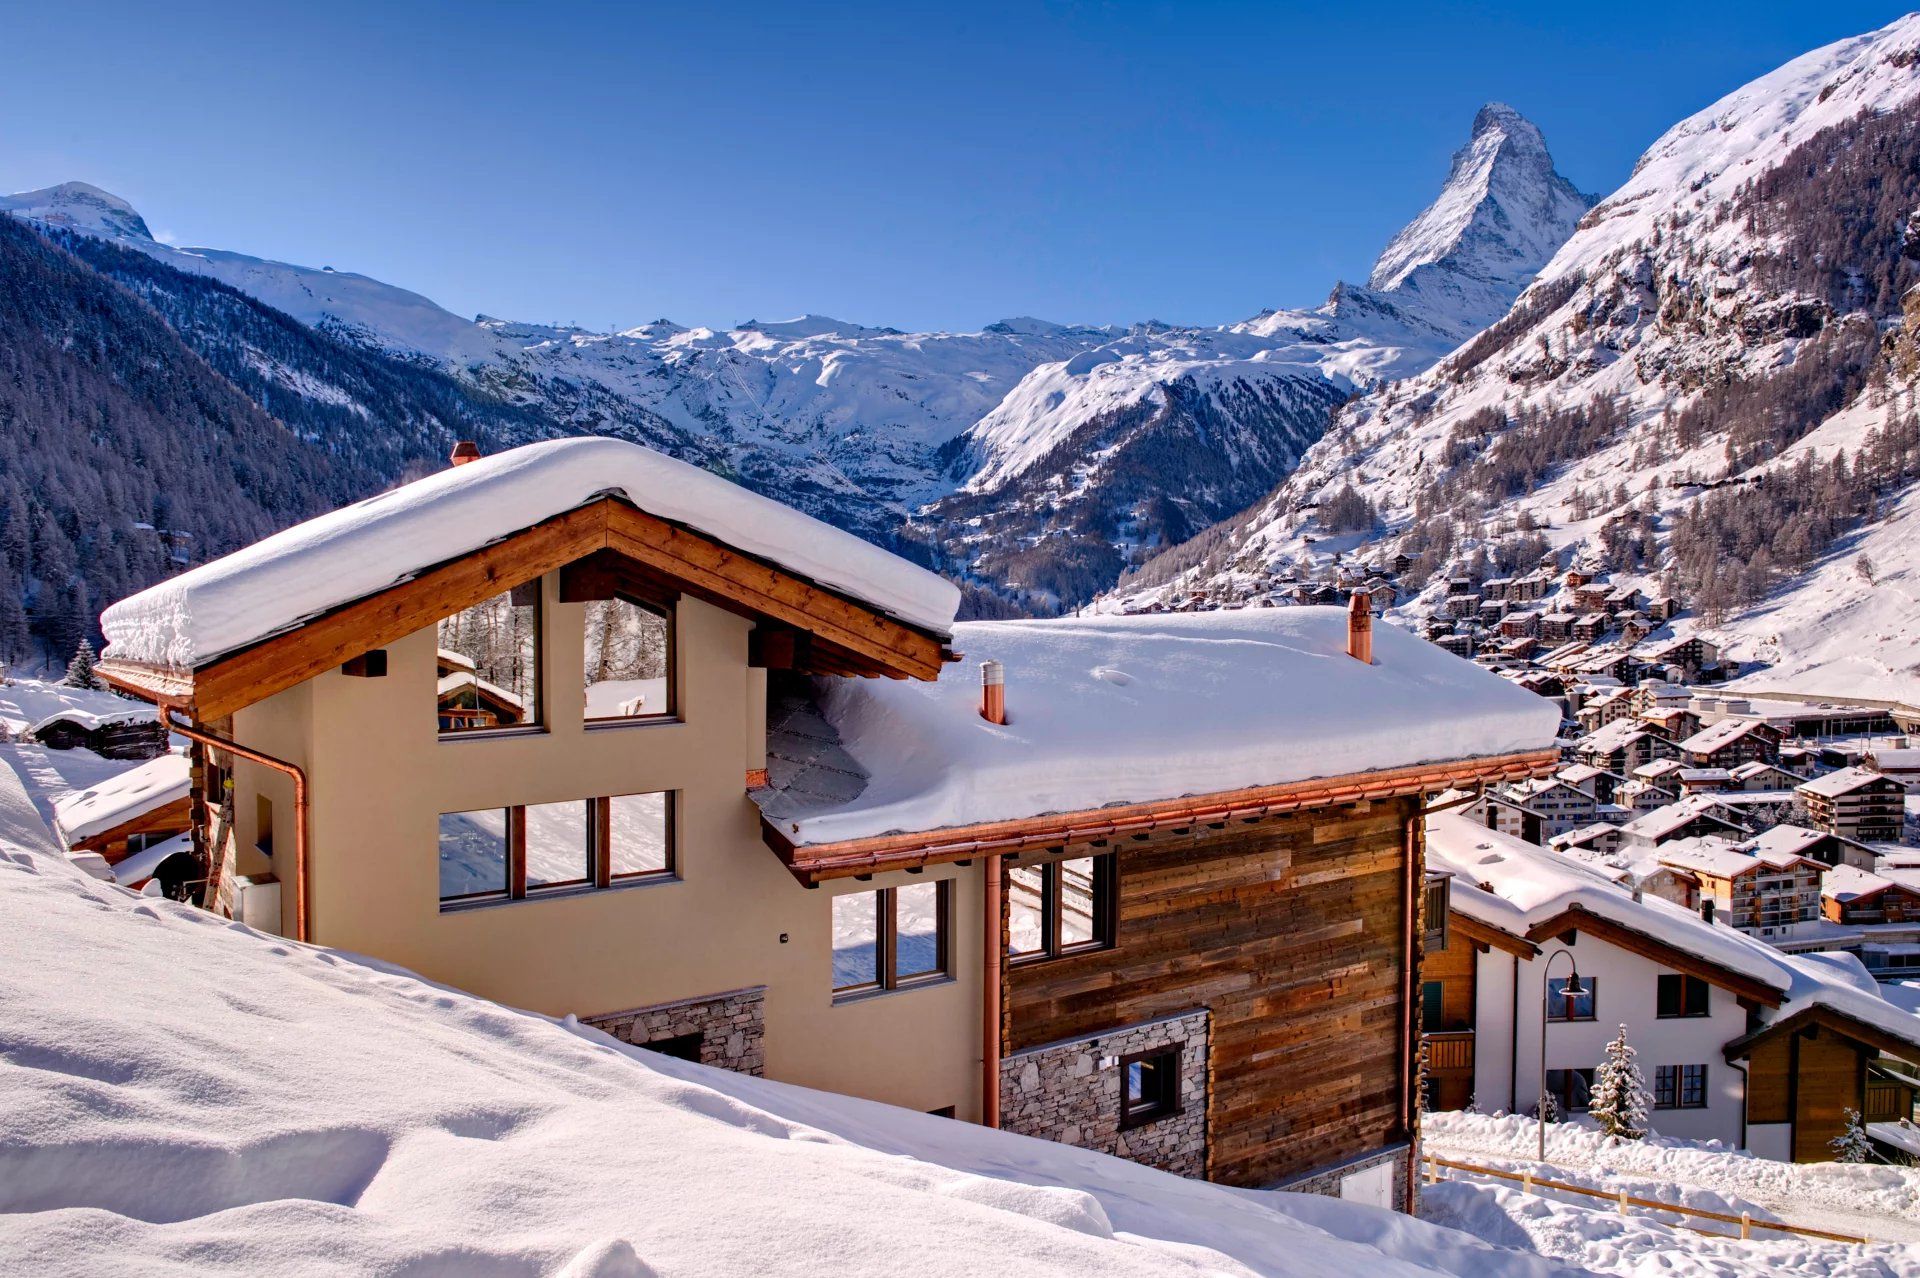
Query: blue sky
{"points": [[920, 166]]}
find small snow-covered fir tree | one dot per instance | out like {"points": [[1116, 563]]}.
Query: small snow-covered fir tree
{"points": [[80, 670], [1852, 1145], [1619, 1101]]}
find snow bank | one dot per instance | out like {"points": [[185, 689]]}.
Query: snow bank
{"points": [[1104, 710], [357, 550], [122, 797], [275, 1108]]}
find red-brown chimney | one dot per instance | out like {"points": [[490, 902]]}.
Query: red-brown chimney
{"points": [[465, 451], [1360, 627], [993, 692]]}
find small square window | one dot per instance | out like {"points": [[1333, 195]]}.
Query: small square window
{"points": [[556, 843], [1150, 1085], [1062, 906], [474, 854], [892, 938], [639, 835], [629, 661], [1571, 1089], [1680, 1087], [1681, 995], [1580, 1007]]}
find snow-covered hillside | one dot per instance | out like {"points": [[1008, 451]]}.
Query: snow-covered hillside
{"points": [[1735, 306], [863, 425], [180, 1094]]}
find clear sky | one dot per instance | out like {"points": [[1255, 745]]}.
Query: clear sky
{"points": [[921, 166]]}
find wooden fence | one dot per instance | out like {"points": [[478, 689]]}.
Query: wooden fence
{"points": [[1622, 1201]]}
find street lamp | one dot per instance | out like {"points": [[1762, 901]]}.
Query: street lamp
{"points": [[1573, 991]]}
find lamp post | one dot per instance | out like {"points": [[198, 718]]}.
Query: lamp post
{"points": [[1573, 991]]}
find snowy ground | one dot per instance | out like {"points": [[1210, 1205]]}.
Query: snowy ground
{"points": [[1882, 1203]]}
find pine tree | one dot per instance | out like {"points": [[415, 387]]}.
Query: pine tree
{"points": [[1852, 1145], [1619, 1102], [80, 670]]}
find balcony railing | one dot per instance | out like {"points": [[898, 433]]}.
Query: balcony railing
{"points": [[1436, 911], [1450, 1050]]}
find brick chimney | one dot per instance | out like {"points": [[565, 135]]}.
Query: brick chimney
{"points": [[1360, 627], [464, 451], [993, 692]]}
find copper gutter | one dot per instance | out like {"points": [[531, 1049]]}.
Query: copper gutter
{"points": [[300, 809], [817, 862], [1409, 990], [990, 1044]]}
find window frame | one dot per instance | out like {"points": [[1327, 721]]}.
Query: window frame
{"points": [[1680, 1087], [1139, 1114], [1563, 1097], [886, 967], [1557, 1013], [667, 605], [1687, 982], [536, 723], [597, 855], [1106, 909]]}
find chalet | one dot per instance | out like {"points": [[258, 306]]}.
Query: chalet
{"points": [[1495, 588], [1520, 625], [1737, 1043], [1855, 803], [1459, 587], [1561, 807], [1703, 780], [1766, 893], [129, 733], [1640, 795], [1592, 597], [1563, 656], [132, 820], [1730, 742], [1677, 722], [1815, 845], [1900, 764], [754, 814], [1528, 589], [1556, 627], [1622, 599], [1602, 838], [1624, 745], [1492, 610], [1691, 654], [1688, 818], [1859, 897], [1758, 775], [1594, 782], [1577, 577]]}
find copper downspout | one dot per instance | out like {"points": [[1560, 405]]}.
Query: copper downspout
{"points": [[990, 1044], [300, 926], [1409, 1026]]}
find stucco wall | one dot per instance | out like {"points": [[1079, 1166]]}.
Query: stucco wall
{"points": [[733, 917]]}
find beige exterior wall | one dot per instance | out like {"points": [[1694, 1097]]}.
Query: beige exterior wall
{"points": [[733, 917]]}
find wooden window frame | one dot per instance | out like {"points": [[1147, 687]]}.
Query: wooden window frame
{"points": [[1678, 1092], [1687, 982], [1166, 1106], [1557, 1011], [668, 606], [1564, 1097], [598, 856], [1106, 909], [537, 723], [887, 978]]}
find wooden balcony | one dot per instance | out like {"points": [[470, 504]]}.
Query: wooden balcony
{"points": [[1434, 908], [1449, 1050]]}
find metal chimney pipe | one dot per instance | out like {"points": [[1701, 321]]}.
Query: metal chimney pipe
{"points": [[1360, 627], [463, 452], [993, 692]]}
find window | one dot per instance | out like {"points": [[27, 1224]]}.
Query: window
{"points": [[489, 664], [1681, 995], [1150, 1085], [1059, 907], [629, 661], [1432, 1000], [891, 939], [682, 1047], [1581, 1006], [1680, 1087], [1571, 1089], [513, 853], [263, 824]]}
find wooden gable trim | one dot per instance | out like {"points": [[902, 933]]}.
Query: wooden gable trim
{"points": [[1487, 934], [873, 643], [1634, 941], [1818, 1016], [816, 862]]}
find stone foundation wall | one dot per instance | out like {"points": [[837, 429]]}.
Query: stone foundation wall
{"points": [[732, 1027], [1346, 1180], [1070, 1092]]}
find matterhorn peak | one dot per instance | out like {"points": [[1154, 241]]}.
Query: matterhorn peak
{"points": [[1502, 214], [79, 206]]}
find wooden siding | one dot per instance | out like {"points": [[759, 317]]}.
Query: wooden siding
{"points": [[1289, 931], [1808, 1079]]}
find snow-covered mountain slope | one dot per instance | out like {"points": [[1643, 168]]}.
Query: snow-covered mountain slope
{"points": [[1741, 302], [183, 1095], [1149, 438]]}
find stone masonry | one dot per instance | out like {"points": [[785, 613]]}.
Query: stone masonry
{"points": [[732, 1027], [1070, 1092]]}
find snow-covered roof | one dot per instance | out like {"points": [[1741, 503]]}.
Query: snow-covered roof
{"points": [[121, 798], [313, 567], [1116, 709], [1849, 883], [133, 870], [1793, 840], [467, 679], [92, 720], [1724, 859], [1723, 733], [1613, 736], [1845, 781], [1664, 820]]}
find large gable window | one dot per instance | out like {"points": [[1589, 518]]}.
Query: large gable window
{"points": [[1060, 907], [629, 660], [489, 664], [508, 854]]}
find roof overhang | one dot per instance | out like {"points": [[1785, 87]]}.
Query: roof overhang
{"points": [[814, 863], [1487, 934], [1819, 1016], [1577, 918], [620, 541]]}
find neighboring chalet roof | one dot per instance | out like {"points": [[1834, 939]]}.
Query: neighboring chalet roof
{"points": [[1663, 821], [1847, 884], [136, 869], [122, 799], [1722, 859], [93, 720], [1794, 840], [1139, 721], [1614, 736], [218, 637], [459, 679], [1723, 733], [1845, 781]]}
